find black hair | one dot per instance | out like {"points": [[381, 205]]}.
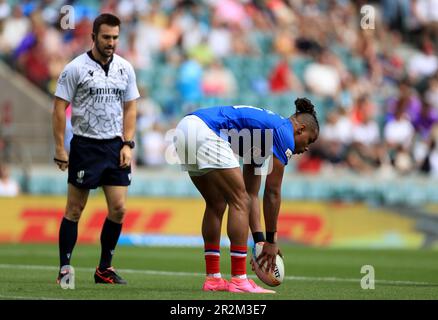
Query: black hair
{"points": [[305, 111], [105, 18]]}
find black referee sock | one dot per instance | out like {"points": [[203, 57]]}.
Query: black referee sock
{"points": [[68, 234], [108, 239], [258, 237]]}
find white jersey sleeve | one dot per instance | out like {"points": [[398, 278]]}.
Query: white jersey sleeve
{"points": [[132, 90], [67, 83]]}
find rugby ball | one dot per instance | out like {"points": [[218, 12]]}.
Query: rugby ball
{"points": [[274, 278]]}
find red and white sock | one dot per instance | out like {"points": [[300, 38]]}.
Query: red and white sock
{"points": [[238, 261], [212, 257]]}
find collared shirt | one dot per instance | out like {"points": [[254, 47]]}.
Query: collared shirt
{"points": [[97, 94]]}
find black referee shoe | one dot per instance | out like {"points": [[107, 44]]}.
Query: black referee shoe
{"points": [[109, 275]]}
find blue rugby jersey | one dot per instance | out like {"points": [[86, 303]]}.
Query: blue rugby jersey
{"points": [[250, 118]]}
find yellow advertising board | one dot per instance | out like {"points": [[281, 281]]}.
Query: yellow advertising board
{"points": [[36, 219]]}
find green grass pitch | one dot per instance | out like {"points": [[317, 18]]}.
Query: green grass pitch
{"points": [[29, 272]]}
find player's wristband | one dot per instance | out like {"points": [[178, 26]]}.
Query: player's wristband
{"points": [[270, 236], [258, 237]]}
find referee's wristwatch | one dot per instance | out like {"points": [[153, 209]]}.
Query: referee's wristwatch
{"points": [[129, 143]]}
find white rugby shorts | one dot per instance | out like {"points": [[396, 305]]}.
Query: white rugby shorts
{"points": [[200, 149]]}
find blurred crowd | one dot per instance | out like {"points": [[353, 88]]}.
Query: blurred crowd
{"points": [[372, 74], [9, 187]]}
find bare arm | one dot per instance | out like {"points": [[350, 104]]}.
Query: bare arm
{"points": [[271, 209], [129, 120], [252, 185], [58, 125], [272, 195]]}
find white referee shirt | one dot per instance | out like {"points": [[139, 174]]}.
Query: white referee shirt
{"points": [[96, 95]]}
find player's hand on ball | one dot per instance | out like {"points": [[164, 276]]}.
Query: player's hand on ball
{"points": [[61, 158], [268, 256], [125, 157], [271, 277]]}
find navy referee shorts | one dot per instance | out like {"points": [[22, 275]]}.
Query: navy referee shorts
{"points": [[94, 163]]}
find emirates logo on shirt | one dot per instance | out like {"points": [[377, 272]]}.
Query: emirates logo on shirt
{"points": [[106, 95]]}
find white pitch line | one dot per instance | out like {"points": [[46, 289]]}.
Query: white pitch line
{"points": [[197, 274]]}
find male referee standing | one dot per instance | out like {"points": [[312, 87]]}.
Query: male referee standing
{"points": [[101, 88]]}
